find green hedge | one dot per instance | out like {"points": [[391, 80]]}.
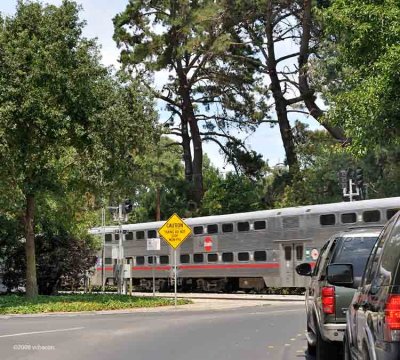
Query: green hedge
{"points": [[18, 304]]}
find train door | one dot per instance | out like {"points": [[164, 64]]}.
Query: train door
{"points": [[292, 254]]}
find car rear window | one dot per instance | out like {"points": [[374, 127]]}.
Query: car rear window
{"points": [[354, 250]]}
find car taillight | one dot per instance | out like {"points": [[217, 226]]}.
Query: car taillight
{"points": [[392, 318], [328, 300]]}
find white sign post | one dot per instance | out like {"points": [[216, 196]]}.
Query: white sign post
{"points": [[175, 232]]}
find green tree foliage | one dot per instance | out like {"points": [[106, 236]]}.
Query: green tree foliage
{"points": [[284, 38], [321, 159], [231, 194], [61, 115], [62, 259], [363, 77], [123, 131], [64, 250], [163, 187], [208, 90]]}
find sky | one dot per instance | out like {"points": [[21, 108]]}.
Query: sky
{"points": [[99, 13]]}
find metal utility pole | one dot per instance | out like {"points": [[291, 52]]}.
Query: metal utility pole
{"points": [[121, 212], [120, 252], [351, 194], [103, 260], [352, 184]]}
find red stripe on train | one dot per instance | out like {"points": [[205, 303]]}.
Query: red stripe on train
{"points": [[231, 266], [147, 268], [201, 267]]}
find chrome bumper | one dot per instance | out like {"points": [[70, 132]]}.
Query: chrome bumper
{"points": [[333, 332]]}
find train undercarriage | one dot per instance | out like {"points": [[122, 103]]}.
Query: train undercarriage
{"points": [[220, 284]]}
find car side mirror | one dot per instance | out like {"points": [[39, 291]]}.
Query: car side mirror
{"points": [[340, 274], [304, 269]]}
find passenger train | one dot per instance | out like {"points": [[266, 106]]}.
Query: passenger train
{"points": [[248, 251]]}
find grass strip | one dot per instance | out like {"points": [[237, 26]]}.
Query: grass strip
{"points": [[18, 304]]}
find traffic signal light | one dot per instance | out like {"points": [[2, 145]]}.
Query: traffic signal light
{"points": [[359, 178], [343, 179], [350, 174], [128, 207]]}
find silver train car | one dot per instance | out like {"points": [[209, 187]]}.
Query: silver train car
{"points": [[245, 251]]}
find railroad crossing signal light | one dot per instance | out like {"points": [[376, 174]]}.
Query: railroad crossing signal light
{"points": [[128, 207], [359, 177], [343, 179], [350, 174]]}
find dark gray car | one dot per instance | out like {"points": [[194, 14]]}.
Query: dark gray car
{"points": [[373, 319], [326, 304]]}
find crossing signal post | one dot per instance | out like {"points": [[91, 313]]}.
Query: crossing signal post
{"points": [[343, 179], [352, 184], [120, 213], [128, 206], [359, 179]]}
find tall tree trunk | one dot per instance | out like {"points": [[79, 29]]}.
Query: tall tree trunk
{"points": [[187, 152], [188, 117], [306, 92], [31, 280], [158, 203], [280, 101], [197, 160]]}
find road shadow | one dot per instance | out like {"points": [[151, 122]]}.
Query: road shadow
{"points": [[305, 356]]}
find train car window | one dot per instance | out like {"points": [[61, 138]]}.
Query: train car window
{"points": [[198, 258], [290, 222], [212, 229], [139, 235], [129, 236], [327, 219], [129, 260], [348, 218], [243, 226], [227, 228], [164, 259], [371, 216], [212, 257], [390, 213], [185, 258], [108, 261], [198, 230], [151, 234], [116, 237], [227, 257], [243, 256], [260, 225], [288, 253], [150, 259], [299, 252], [260, 256], [108, 238], [139, 260]]}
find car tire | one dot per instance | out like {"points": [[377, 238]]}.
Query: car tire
{"points": [[346, 349], [326, 350], [311, 349], [365, 353]]}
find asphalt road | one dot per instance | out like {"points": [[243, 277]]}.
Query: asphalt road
{"points": [[269, 332]]}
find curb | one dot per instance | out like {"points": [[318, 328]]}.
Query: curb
{"points": [[262, 300], [283, 298]]}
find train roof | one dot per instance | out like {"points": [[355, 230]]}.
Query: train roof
{"points": [[393, 202]]}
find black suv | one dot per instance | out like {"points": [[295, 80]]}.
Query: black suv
{"points": [[326, 304], [373, 319]]}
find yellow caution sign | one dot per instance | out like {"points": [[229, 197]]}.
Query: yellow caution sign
{"points": [[175, 231]]}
